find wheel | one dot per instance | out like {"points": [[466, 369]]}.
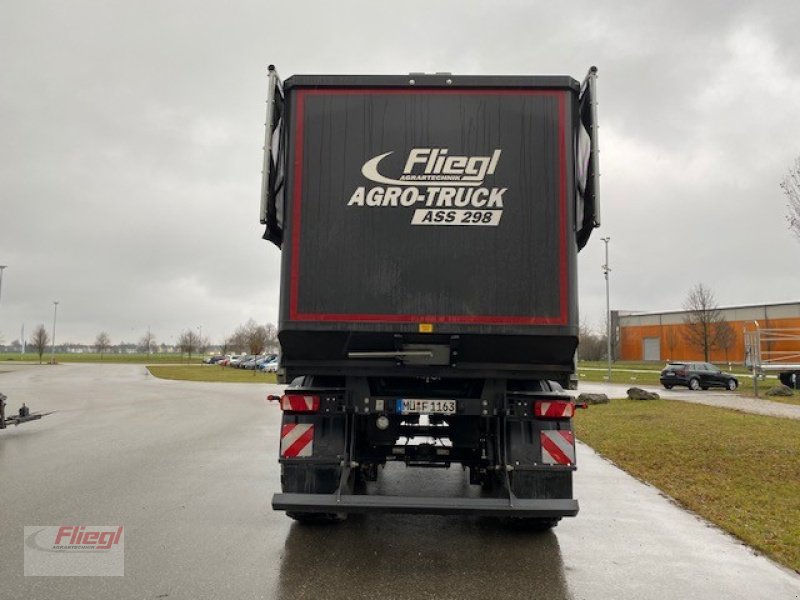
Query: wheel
{"points": [[667, 387], [310, 479], [694, 384], [732, 385]]}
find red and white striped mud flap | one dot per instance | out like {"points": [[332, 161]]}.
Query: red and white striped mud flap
{"points": [[297, 440], [558, 447]]}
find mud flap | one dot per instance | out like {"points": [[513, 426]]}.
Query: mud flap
{"points": [[531, 447], [311, 452]]}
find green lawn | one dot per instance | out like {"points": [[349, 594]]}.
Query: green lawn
{"points": [[747, 390], [619, 375], [646, 373], [90, 357], [739, 471], [210, 373]]}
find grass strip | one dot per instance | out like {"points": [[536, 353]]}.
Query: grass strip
{"points": [[93, 357], [739, 471], [210, 373], [634, 378]]}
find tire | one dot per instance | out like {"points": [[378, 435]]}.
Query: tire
{"points": [[667, 387], [732, 384], [694, 384], [315, 480]]}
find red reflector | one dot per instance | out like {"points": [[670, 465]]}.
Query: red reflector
{"points": [[300, 403], [553, 409]]}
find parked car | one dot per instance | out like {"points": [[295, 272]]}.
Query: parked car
{"points": [[266, 358], [249, 364], [212, 360], [237, 361], [260, 360], [696, 376], [270, 366]]}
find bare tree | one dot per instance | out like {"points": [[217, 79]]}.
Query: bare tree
{"points": [[147, 343], [189, 343], [791, 187], [236, 342], [202, 344], [591, 345], [102, 343], [257, 339], [39, 340], [726, 338], [272, 338], [702, 320], [253, 337]]}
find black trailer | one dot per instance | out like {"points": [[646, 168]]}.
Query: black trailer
{"points": [[24, 415], [429, 228]]}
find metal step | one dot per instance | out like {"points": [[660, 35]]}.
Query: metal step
{"points": [[331, 503]]}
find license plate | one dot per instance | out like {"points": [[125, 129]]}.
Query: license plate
{"points": [[413, 406]]}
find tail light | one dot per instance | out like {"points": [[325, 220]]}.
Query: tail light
{"points": [[554, 409], [301, 403]]}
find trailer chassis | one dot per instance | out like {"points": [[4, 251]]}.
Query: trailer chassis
{"points": [[497, 441]]}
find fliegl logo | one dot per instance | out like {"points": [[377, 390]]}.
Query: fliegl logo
{"points": [[74, 550], [444, 189]]}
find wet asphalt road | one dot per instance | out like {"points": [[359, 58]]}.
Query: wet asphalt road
{"points": [[188, 469]]}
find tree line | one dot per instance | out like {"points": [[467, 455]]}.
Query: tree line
{"points": [[249, 337]]}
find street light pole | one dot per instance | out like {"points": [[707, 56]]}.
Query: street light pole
{"points": [[2, 268], [606, 269], [53, 349]]}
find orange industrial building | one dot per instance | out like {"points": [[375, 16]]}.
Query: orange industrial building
{"points": [[662, 336]]}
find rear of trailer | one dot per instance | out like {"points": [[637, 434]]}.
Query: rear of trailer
{"points": [[429, 227]]}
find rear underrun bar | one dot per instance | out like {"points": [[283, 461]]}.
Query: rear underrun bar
{"points": [[333, 503]]}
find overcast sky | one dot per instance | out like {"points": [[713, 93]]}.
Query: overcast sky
{"points": [[131, 134]]}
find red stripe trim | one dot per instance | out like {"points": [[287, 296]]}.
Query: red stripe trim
{"points": [[305, 438], [562, 146], [395, 318], [424, 90], [294, 312], [287, 429], [298, 187]]}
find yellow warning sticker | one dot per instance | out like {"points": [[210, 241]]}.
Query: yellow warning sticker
{"points": [[426, 327]]}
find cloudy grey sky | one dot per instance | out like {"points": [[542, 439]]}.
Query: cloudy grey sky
{"points": [[131, 134]]}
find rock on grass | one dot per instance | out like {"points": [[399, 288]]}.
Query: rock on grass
{"points": [[780, 390], [592, 398], [636, 393]]}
